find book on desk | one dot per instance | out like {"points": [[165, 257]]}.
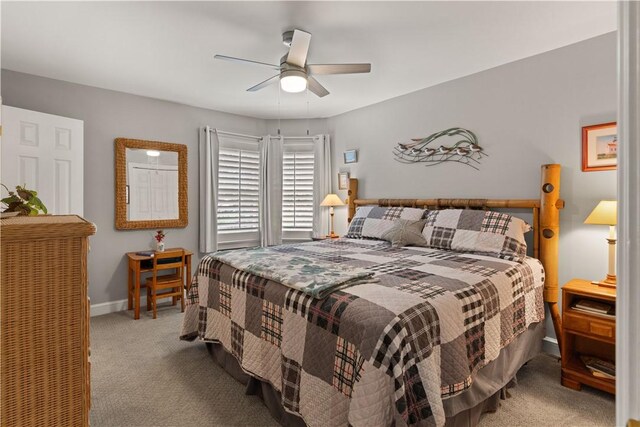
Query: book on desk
{"points": [[146, 253]]}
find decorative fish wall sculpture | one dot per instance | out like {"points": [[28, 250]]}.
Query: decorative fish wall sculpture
{"points": [[465, 151]]}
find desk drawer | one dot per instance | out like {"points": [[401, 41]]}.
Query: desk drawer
{"points": [[589, 325]]}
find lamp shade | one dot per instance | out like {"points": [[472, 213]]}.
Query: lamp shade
{"points": [[332, 200], [605, 213]]}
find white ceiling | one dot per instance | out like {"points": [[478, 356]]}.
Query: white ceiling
{"points": [[165, 49]]}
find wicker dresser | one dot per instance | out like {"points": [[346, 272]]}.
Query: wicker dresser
{"points": [[45, 321]]}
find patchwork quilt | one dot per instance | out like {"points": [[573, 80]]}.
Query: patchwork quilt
{"points": [[371, 354]]}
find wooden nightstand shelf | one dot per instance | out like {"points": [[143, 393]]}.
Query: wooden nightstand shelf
{"points": [[586, 334]]}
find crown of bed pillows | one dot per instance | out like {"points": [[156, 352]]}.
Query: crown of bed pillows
{"points": [[462, 230]]}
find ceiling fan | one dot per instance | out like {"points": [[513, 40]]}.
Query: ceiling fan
{"points": [[294, 74]]}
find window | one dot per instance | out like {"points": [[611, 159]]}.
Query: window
{"points": [[238, 187], [297, 190], [239, 179]]}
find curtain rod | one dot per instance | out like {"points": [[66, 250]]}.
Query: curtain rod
{"points": [[295, 137], [242, 135]]}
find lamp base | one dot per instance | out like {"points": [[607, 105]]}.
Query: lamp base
{"points": [[332, 235], [608, 282]]}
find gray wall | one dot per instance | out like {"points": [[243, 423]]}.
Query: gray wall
{"points": [[108, 115], [525, 114]]}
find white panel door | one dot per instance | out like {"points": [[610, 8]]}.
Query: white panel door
{"points": [[45, 153]]}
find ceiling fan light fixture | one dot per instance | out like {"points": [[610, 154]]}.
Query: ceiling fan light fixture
{"points": [[294, 73], [293, 81]]}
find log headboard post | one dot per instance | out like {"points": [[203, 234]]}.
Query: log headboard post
{"points": [[548, 237], [351, 201]]}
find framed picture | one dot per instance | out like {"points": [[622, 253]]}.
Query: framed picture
{"points": [[343, 180], [351, 156], [600, 147]]}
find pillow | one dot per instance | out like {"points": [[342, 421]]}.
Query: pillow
{"points": [[405, 232], [372, 221], [484, 232]]}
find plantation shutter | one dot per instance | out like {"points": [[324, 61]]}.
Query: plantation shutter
{"points": [[238, 189], [297, 190]]}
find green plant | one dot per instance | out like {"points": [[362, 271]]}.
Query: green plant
{"points": [[23, 201]]}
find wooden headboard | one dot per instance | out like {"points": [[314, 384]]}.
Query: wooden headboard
{"points": [[546, 223]]}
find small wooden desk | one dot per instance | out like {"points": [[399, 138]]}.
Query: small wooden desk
{"points": [[134, 280]]}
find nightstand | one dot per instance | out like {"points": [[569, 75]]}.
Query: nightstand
{"points": [[586, 334]]}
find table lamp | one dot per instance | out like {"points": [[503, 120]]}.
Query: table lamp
{"points": [[332, 200], [605, 213]]}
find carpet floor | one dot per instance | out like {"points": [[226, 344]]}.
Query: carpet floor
{"points": [[143, 375]]}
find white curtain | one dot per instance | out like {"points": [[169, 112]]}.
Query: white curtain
{"points": [[209, 152], [271, 191], [321, 183]]}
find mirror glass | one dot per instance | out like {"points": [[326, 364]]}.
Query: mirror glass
{"points": [[152, 184]]}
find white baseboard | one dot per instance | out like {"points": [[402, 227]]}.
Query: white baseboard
{"points": [[550, 345], [113, 307]]}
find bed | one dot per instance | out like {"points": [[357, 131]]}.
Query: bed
{"points": [[425, 336]]}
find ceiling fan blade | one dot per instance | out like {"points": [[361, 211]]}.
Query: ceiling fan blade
{"points": [[299, 48], [247, 61], [316, 87], [338, 68], [261, 85]]}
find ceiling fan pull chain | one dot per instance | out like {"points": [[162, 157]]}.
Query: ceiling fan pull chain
{"points": [[279, 115], [308, 116]]}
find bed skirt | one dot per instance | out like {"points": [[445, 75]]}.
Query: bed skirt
{"points": [[463, 410]]}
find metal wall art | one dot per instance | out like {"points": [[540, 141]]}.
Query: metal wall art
{"points": [[465, 151]]}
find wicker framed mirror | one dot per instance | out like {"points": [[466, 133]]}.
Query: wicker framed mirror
{"points": [[151, 184]]}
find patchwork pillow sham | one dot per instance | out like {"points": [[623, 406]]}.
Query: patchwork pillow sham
{"points": [[371, 222], [483, 232]]}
